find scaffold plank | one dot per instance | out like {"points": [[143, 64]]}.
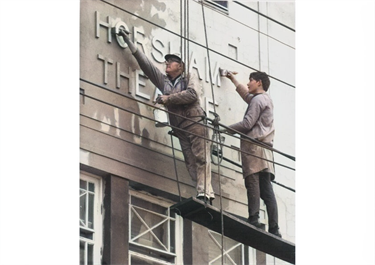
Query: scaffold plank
{"points": [[235, 228]]}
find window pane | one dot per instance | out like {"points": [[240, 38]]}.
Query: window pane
{"points": [[143, 216], [82, 210], [142, 222], [148, 205], [158, 237], [142, 261], [90, 254], [86, 234], [83, 184], [235, 254], [172, 237], [222, 3], [81, 253], [91, 187], [91, 211]]}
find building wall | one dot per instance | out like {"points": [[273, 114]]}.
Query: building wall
{"points": [[118, 136]]}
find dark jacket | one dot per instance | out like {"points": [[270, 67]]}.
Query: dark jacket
{"points": [[183, 100]]}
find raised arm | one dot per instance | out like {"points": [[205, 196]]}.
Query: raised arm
{"points": [[241, 89], [151, 71]]}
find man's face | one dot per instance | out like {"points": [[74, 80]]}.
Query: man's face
{"points": [[173, 67], [253, 85]]}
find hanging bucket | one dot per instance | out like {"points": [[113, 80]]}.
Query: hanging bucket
{"points": [[161, 117]]}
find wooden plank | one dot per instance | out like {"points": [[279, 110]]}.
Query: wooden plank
{"points": [[235, 228]]}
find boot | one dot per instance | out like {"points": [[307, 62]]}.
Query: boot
{"points": [[275, 231], [253, 220]]}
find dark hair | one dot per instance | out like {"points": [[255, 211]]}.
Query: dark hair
{"points": [[263, 77]]}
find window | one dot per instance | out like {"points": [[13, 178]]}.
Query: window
{"points": [[222, 5], [155, 234], [90, 220], [235, 253]]}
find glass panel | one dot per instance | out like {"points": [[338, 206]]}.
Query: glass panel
{"points": [[82, 210], [140, 217], [148, 205], [91, 211], [234, 255], [157, 238], [222, 3], [91, 187], [149, 239], [86, 234], [90, 254], [81, 253], [83, 184], [172, 237], [142, 261]]}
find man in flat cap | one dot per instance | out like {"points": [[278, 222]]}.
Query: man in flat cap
{"points": [[180, 97]]}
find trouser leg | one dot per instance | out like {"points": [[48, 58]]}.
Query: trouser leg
{"points": [[268, 196], [188, 156], [196, 152], [253, 196]]}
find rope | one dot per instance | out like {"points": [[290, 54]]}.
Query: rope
{"points": [[208, 57], [181, 28], [218, 141], [209, 70], [188, 35], [216, 131], [175, 165]]}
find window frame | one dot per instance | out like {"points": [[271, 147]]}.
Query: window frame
{"points": [[97, 230], [178, 227]]}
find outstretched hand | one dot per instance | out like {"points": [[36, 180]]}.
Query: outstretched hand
{"points": [[230, 76], [123, 34]]}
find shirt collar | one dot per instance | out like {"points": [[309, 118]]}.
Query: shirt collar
{"points": [[174, 81]]}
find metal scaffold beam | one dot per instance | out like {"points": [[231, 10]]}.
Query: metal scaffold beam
{"points": [[235, 228]]}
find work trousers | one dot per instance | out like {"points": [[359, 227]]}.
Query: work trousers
{"points": [[258, 187], [196, 151]]}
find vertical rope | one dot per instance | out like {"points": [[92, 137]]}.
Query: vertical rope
{"points": [[181, 26], [218, 141], [175, 167], [259, 37], [185, 19], [209, 68], [187, 35], [208, 56], [216, 129]]}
